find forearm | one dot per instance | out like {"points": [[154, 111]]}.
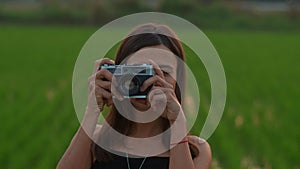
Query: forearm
{"points": [[78, 154]]}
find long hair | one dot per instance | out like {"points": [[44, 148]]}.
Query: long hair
{"points": [[146, 35]]}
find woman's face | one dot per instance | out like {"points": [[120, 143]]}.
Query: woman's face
{"points": [[161, 56]]}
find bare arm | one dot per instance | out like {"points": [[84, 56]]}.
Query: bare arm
{"points": [[78, 155]]}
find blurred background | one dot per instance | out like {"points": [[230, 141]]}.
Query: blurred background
{"points": [[258, 43]]}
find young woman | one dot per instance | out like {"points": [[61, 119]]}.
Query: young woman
{"points": [[191, 152]]}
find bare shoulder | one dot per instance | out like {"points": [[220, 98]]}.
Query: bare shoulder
{"points": [[201, 144], [97, 131], [204, 157]]}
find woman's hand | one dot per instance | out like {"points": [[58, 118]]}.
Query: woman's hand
{"points": [[100, 86], [163, 93]]}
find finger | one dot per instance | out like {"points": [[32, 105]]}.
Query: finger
{"points": [[100, 101], [101, 62], [104, 74], [171, 115], [170, 94], [154, 92], [157, 69], [103, 84], [103, 97], [102, 92], [147, 83], [155, 79], [157, 100], [164, 98]]}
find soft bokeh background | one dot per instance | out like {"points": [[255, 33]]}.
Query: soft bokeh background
{"points": [[258, 43]]}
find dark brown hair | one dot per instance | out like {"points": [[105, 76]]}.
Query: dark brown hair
{"points": [[143, 36]]}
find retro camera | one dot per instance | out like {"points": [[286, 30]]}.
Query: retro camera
{"points": [[130, 79]]}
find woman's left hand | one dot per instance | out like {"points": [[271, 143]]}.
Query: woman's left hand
{"points": [[163, 93]]}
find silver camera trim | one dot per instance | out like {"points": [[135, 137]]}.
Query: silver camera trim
{"points": [[120, 70]]}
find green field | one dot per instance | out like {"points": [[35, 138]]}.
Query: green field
{"points": [[259, 128]]}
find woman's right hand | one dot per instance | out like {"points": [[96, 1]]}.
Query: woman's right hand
{"points": [[99, 88], [78, 154]]}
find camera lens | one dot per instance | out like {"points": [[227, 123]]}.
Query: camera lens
{"points": [[129, 85]]}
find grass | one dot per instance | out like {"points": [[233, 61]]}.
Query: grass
{"points": [[259, 128]]}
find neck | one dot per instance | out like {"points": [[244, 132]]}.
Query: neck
{"points": [[144, 130]]}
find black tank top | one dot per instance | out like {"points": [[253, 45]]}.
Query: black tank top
{"points": [[120, 162]]}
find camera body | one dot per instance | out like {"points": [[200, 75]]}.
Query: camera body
{"points": [[130, 79]]}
